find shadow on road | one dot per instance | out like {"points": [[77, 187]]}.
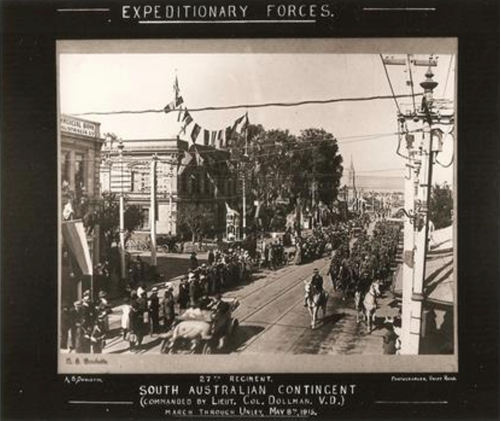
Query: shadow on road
{"points": [[332, 319], [242, 335]]}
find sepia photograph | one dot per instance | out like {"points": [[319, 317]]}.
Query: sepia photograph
{"points": [[268, 206]]}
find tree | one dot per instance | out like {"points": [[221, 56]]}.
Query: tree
{"points": [[108, 218], [198, 219], [441, 205], [281, 169]]}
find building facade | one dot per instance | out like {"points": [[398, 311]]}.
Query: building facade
{"points": [[80, 160], [80, 155], [184, 180]]}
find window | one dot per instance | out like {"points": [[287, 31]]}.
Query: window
{"points": [[146, 218], [140, 181], [65, 167], [79, 172]]}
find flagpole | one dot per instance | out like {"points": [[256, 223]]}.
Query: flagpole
{"points": [[171, 179]]}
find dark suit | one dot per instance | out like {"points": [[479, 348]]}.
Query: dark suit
{"points": [[318, 282]]}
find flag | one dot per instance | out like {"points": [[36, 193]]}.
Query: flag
{"points": [[220, 139], [179, 101], [213, 137], [228, 134], [176, 89], [206, 137], [198, 157], [171, 106], [74, 236], [195, 132], [187, 158], [180, 116], [213, 183], [187, 120], [238, 124]]}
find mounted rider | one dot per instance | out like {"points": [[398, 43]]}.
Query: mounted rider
{"points": [[316, 282]]}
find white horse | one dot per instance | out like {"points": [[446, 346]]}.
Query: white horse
{"points": [[315, 300], [368, 305]]}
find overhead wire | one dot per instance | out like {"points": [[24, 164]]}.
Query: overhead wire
{"points": [[261, 105], [391, 86], [448, 72]]}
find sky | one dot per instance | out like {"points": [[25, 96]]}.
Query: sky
{"points": [[113, 82]]}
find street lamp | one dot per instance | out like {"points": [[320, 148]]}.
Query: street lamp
{"points": [[121, 211]]}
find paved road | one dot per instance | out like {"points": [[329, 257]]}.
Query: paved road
{"points": [[273, 320]]}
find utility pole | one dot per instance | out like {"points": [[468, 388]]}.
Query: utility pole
{"points": [[421, 225], [244, 192], [416, 214], [121, 211], [408, 258], [153, 213]]}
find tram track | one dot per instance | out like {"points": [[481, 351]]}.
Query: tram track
{"points": [[280, 293], [274, 298]]}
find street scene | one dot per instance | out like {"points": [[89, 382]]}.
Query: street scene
{"points": [[252, 203]]}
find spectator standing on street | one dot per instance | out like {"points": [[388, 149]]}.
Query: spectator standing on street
{"points": [[183, 297], [153, 310], [210, 257], [125, 318], [67, 330], [389, 338], [103, 310], [168, 306], [142, 317], [97, 336], [84, 317], [194, 289], [193, 261], [135, 317]]}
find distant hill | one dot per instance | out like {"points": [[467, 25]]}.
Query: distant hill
{"points": [[378, 183]]}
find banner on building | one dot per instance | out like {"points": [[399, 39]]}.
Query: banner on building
{"points": [[74, 236]]}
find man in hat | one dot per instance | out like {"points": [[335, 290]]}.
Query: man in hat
{"points": [[103, 309], [389, 337], [67, 327], [183, 297], [98, 335], [84, 323], [316, 282], [193, 261], [168, 306], [194, 289], [210, 257], [153, 311]]}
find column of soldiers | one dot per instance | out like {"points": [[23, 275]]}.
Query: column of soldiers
{"points": [[357, 262]]}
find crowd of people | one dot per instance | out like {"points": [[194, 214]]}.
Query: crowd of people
{"points": [[85, 324], [357, 259], [144, 315]]}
